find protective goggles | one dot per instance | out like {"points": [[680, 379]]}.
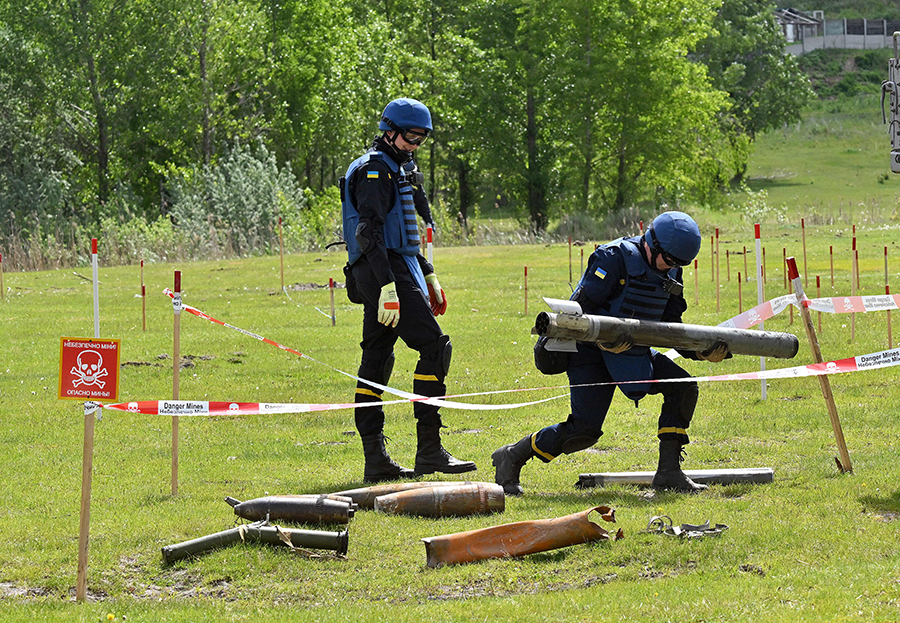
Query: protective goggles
{"points": [[412, 137], [667, 257]]}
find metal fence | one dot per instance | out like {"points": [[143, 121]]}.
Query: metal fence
{"points": [[851, 34]]}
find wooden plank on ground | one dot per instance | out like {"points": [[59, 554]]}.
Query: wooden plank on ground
{"points": [[702, 476]]}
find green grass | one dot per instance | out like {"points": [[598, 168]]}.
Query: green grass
{"points": [[814, 545]]}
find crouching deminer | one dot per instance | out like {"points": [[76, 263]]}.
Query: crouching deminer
{"points": [[641, 278]]}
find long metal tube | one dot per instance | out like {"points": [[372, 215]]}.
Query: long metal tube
{"points": [[590, 328]]}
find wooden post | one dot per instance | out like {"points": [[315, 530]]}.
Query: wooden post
{"points": [[727, 265], [718, 294], [784, 265], [844, 461], [746, 274], [712, 258], [281, 251], [331, 289], [818, 296], [696, 284], [582, 262], [526, 290], [2, 293], [831, 257], [176, 370], [570, 259], [764, 264], [805, 272], [740, 297], [87, 458]]}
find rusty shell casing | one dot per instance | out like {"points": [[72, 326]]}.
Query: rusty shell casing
{"points": [[680, 336], [365, 496], [296, 508], [518, 539], [273, 535], [481, 498]]}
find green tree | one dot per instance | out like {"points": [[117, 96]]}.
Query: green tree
{"points": [[745, 57]]}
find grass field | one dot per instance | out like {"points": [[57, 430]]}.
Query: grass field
{"points": [[813, 545]]}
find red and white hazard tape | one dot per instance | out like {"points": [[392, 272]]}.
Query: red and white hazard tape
{"points": [[871, 361]]}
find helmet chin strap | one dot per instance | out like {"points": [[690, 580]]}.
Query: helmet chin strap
{"points": [[402, 156]]}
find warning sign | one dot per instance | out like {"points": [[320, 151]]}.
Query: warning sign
{"points": [[88, 369]]}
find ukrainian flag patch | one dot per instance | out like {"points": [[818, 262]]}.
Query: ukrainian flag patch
{"points": [[600, 273], [372, 175]]}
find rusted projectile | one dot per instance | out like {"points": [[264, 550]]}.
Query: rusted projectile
{"points": [[296, 508], [365, 496], [519, 539], [567, 327], [477, 498], [258, 533]]}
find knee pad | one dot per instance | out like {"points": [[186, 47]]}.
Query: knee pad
{"points": [[688, 402], [578, 443], [439, 353], [377, 365]]}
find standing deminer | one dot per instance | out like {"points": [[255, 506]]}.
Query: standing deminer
{"points": [[640, 278], [380, 195]]}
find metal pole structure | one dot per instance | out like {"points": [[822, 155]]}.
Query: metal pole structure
{"points": [[143, 298], [760, 299], [176, 370], [281, 251], [853, 281], [843, 462]]}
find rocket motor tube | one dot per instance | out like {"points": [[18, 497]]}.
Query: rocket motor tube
{"points": [[298, 508], [680, 336], [518, 539], [479, 498], [255, 533]]}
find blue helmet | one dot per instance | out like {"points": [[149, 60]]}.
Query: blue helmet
{"points": [[676, 236], [405, 114]]}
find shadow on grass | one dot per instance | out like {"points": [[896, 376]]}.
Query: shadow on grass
{"points": [[889, 503]]}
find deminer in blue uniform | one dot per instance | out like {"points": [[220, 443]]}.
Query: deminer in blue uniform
{"points": [[381, 194], [640, 278]]}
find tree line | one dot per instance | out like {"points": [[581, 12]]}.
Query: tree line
{"points": [[129, 112]]}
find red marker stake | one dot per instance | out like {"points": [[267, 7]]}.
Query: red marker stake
{"points": [[843, 462], [429, 245], [143, 298]]}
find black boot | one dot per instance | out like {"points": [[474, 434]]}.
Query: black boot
{"points": [[669, 474], [509, 461], [432, 457], [380, 466]]}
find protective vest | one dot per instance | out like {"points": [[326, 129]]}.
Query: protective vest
{"points": [[401, 231], [644, 298]]}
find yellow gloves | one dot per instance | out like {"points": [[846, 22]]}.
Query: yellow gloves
{"points": [[389, 306]]}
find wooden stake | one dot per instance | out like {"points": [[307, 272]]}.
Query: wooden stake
{"points": [[764, 265], [331, 289], [2, 293], [831, 257], [727, 265], [844, 461], [740, 297], [87, 458], [887, 290], [570, 259], [746, 274], [784, 265], [805, 273], [718, 294], [526, 290], [176, 371], [712, 258], [696, 284], [818, 296]]}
